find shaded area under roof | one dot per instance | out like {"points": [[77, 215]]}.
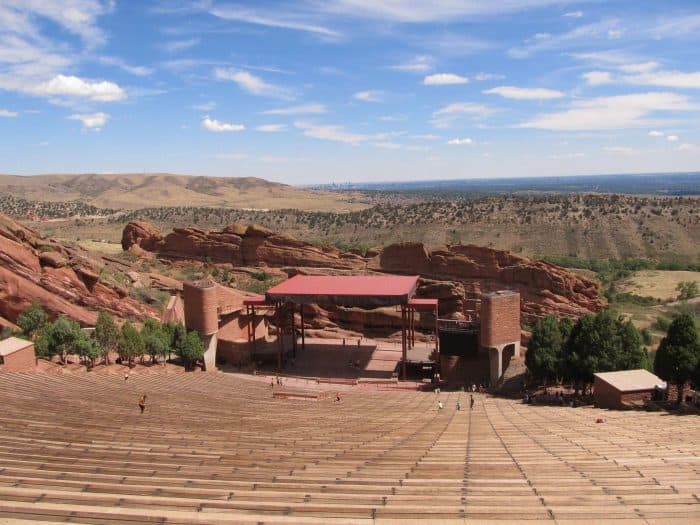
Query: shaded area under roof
{"points": [[346, 290]]}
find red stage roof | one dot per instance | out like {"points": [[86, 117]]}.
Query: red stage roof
{"points": [[255, 300], [423, 304], [350, 290]]}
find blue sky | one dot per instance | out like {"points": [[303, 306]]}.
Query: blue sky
{"points": [[350, 90]]}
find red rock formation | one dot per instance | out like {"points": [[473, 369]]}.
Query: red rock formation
{"points": [[544, 288], [65, 280], [140, 233], [253, 246], [457, 275]]}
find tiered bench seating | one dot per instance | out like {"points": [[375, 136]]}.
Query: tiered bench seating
{"points": [[213, 448]]}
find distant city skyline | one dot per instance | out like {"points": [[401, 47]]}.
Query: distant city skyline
{"points": [[350, 90]]}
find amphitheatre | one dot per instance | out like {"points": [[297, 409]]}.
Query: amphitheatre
{"points": [[302, 409]]}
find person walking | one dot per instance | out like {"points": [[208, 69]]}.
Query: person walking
{"points": [[459, 405], [471, 402], [440, 405], [142, 403]]}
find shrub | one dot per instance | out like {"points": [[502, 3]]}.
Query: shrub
{"points": [[678, 354], [131, 344], [687, 290], [107, 334], [190, 349], [32, 319]]}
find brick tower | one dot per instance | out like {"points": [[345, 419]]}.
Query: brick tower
{"points": [[500, 330], [202, 314]]}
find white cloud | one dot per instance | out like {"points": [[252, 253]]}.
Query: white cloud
{"points": [[446, 115], [173, 46], [469, 108], [71, 86], [392, 118], [387, 145], [206, 106], [642, 67], [330, 132], [140, 71], [602, 30], [672, 138], [279, 18], [519, 93], [574, 14], [427, 136], [7, 113], [415, 11], [460, 142], [419, 64], [597, 78], [271, 128], [251, 83], [219, 127], [675, 79], [687, 147], [624, 150], [93, 121], [444, 79], [488, 76], [368, 96], [78, 17], [616, 112], [303, 109], [656, 133], [560, 156]]}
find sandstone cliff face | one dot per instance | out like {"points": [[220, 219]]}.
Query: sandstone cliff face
{"points": [[251, 246], [544, 288], [65, 280], [457, 275]]}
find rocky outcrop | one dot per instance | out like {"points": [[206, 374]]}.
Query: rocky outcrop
{"points": [[64, 279], [142, 234], [466, 271], [253, 246], [457, 275]]}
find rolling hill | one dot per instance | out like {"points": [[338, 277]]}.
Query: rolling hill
{"points": [[140, 190]]}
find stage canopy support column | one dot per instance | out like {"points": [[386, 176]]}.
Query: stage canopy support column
{"points": [[404, 342], [294, 334], [437, 339], [303, 340], [280, 341]]}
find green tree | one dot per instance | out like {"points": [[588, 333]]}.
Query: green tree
{"points": [[88, 349], [59, 338], [131, 344], [544, 352], [602, 343], [190, 349], [687, 290], [679, 353], [156, 340], [32, 319], [107, 334]]}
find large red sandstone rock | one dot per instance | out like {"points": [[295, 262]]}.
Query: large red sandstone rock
{"points": [[255, 246], [67, 284], [140, 233]]}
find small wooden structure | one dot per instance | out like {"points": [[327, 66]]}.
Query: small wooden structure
{"points": [[17, 355], [625, 388]]}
